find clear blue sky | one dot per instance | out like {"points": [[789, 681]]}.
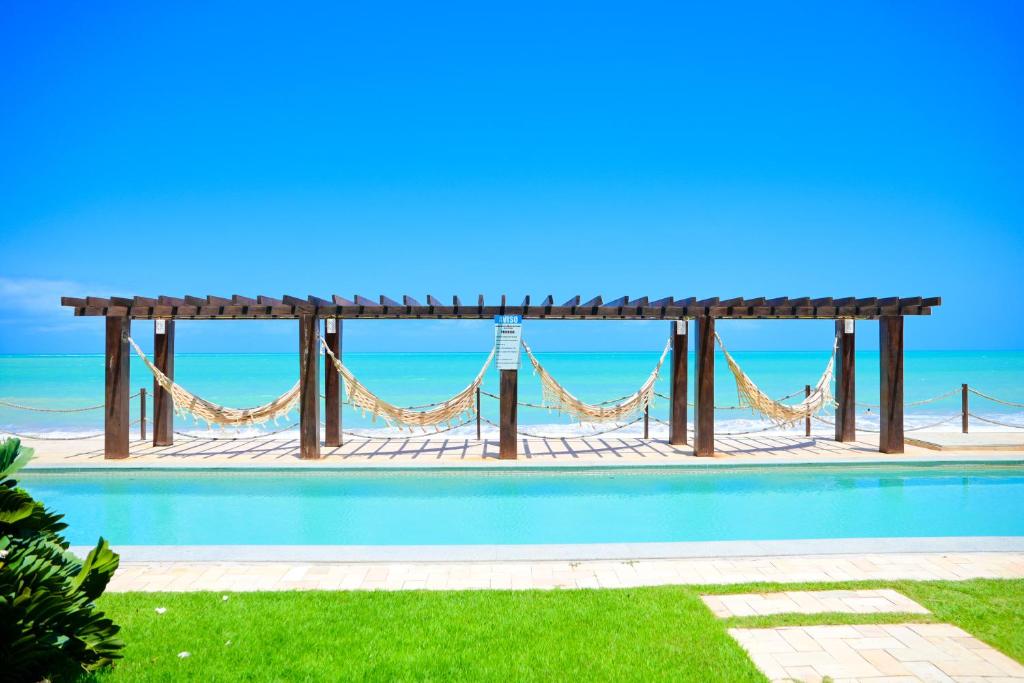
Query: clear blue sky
{"points": [[728, 149]]}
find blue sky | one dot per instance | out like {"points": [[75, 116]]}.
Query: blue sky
{"points": [[771, 149]]}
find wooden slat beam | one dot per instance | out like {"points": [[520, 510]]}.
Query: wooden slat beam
{"points": [[622, 308]]}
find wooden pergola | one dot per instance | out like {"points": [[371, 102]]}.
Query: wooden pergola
{"points": [[308, 311]]}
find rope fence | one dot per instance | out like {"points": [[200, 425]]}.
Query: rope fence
{"points": [[964, 415], [550, 437], [35, 409]]}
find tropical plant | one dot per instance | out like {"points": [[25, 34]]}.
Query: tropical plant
{"points": [[49, 624]]}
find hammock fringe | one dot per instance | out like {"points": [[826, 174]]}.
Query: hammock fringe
{"points": [[782, 414], [558, 398], [458, 408], [185, 402]]}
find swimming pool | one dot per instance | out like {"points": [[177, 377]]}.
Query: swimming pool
{"points": [[531, 507]]}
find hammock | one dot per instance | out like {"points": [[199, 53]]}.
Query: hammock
{"points": [[780, 413], [213, 414], [558, 398], [462, 405]]}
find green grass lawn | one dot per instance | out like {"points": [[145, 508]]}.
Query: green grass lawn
{"points": [[661, 633]]}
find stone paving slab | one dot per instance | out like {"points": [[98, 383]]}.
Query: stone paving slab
{"points": [[811, 602], [284, 575], [883, 652]]}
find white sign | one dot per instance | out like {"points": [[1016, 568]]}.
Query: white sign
{"points": [[681, 327], [508, 335], [332, 325], [161, 326], [848, 326]]}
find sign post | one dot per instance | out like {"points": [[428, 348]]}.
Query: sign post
{"points": [[508, 336]]}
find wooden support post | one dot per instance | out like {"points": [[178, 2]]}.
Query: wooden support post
{"points": [[677, 384], [478, 432], [163, 406], [309, 387], [647, 421], [115, 412], [964, 408], [142, 413], [890, 347], [704, 419], [846, 389], [332, 384], [509, 401], [807, 420]]}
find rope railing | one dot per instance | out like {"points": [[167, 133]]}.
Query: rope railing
{"points": [[263, 435], [964, 415], [39, 437], [550, 437], [993, 398], [691, 404], [36, 409], [996, 422], [405, 437]]}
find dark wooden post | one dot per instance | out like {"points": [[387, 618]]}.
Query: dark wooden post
{"points": [[332, 384], [115, 413], [677, 384], [846, 389], [964, 408], [142, 413], [309, 387], [647, 421], [704, 419], [163, 406], [890, 346], [807, 420], [478, 413], [509, 402]]}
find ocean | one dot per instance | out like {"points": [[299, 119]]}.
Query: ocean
{"points": [[242, 380]]}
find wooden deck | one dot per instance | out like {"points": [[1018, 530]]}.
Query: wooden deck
{"points": [[438, 451]]}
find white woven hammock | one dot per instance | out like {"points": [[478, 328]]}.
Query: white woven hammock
{"points": [[557, 397], [459, 407], [213, 414], [782, 414]]}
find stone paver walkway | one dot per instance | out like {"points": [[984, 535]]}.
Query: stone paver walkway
{"points": [[284, 575], [885, 652], [811, 602]]}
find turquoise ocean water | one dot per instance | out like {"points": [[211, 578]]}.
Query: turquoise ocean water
{"points": [[243, 380]]}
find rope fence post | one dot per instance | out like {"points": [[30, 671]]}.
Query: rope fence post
{"points": [[964, 408], [478, 413], [142, 413], [807, 420]]}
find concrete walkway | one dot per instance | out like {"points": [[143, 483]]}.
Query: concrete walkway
{"points": [[284, 575]]}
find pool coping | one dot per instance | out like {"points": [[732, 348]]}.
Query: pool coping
{"points": [[564, 552]]}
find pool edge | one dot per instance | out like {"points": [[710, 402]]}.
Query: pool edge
{"points": [[565, 552]]}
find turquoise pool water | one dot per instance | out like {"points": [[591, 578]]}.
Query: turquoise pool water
{"points": [[402, 508]]}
